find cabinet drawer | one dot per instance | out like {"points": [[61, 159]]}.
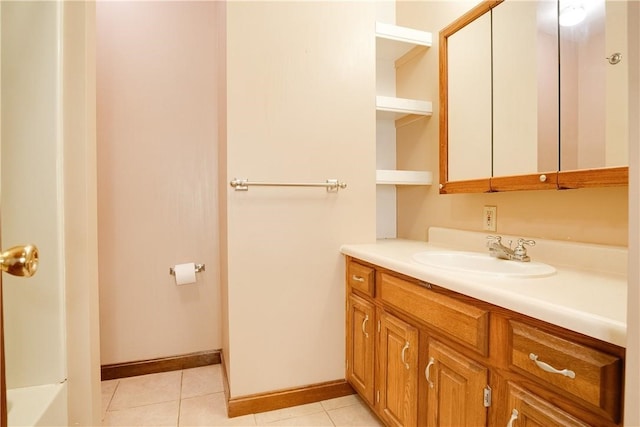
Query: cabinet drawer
{"points": [[361, 277], [462, 321], [528, 409], [588, 374]]}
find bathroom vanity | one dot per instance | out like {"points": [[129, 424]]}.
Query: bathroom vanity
{"points": [[429, 346]]}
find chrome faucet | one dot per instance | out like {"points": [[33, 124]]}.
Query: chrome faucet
{"points": [[498, 250]]}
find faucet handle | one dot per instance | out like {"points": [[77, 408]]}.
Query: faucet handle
{"points": [[520, 252], [493, 239], [496, 239], [522, 242]]}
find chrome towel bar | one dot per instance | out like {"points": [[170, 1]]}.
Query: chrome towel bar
{"points": [[332, 185]]}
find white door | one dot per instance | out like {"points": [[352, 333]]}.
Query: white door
{"points": [[46, 190]]}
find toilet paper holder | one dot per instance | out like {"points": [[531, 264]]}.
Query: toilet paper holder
{"points": [[198, 268]]}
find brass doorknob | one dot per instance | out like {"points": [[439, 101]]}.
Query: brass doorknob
{"points": [[20, 260]]}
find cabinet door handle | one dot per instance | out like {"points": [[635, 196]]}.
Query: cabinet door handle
{"points": [[364, 323], [427, 371], [548, 368], [514, 416], [404, 349], [357, 278]]}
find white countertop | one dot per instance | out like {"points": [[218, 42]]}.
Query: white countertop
{"points": [[593, 303]]}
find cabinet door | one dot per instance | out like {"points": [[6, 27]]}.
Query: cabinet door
{"points": [[455, 384], [525, 409], [360, 346], [398, 371]]}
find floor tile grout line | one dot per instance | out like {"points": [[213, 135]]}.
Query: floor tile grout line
{"points": [[338, 408], [113, 394], [330, 419], [144, 405], [294, 416], [180, 397]]}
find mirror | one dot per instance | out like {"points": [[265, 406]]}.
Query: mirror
{"points": [[469, 109], [542, 113], [594, 81], [525, 88]]}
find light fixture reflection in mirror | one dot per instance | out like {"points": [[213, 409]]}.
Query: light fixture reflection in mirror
{"points": [[571, 15]]}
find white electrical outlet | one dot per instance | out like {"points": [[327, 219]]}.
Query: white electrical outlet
{"points": [[489, 219]]}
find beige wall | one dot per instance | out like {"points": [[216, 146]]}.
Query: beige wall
{"points": [[632, 368], [157, 180], [300, 108], [586, 215]]}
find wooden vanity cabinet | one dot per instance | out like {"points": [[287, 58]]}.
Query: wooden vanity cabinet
{"points": [[437, 358], [455, 387], [397, 378], [360, 346]]}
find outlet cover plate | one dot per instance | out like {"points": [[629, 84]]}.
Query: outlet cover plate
{"points": [[489, 218]]}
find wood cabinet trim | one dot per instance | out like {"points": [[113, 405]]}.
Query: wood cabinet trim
{"points": [[464, 322], [587, 178], [537, 181]]}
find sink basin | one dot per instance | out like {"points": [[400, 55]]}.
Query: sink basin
{"points": [[479, 263]]}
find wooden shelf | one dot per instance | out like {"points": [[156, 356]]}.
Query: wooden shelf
{"points": [[393, 41], [398, 177]]}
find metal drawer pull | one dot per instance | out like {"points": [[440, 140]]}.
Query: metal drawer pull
{"points": [[427, 372], [548, 368], [514, 416], [357, 278], [364, 322], [404, 349]]}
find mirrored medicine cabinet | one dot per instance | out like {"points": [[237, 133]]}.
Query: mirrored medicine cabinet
{"points": [[531, 101]]}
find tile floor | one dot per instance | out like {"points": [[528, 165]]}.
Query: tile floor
{"points": [[195, 397]]}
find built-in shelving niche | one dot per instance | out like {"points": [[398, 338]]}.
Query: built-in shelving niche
{"points": [[395, 46]]}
